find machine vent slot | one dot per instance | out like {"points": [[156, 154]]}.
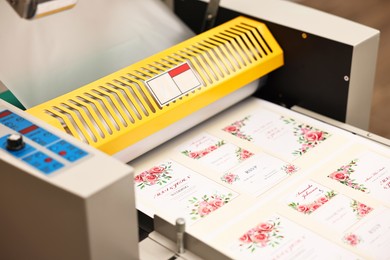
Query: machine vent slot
{"points": [[137, 93], [99, 113], [70, 122], [107, 115], [222, 60], [88, 132], [62, 122], [91, 118], [258, 36]]}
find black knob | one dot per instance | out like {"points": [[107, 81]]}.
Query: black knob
{"points": [[15, 142]]}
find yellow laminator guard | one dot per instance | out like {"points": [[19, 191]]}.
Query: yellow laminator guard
{"points": [[124, 107]]}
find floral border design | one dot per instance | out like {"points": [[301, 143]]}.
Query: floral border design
{"points": [[289, 168], [352, 239], [155, 175], [235, 129], [203, 206], [263, 235], [199, 154], [230, 178], [243, 154], [343, 175], [308, 136], [313, 206], [360, 209]]}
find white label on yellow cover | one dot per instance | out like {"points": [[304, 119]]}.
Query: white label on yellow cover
{"points": [[173, 84]]}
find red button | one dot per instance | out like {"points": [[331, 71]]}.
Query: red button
{"points": [[48, 159], [62, 153]]}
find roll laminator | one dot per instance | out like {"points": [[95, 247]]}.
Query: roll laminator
{"points": [[269, 49]]}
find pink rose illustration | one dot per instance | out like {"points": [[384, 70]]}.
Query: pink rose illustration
{"points": [[151, 178], [229, 178], [246, 153], [212, 148], [290, 168], [360, 209], [235, 129], [243, 154], [364, 208], [363, 212], [157, 169], [322, 200], [194, 154], [343, 175], [340, 176], [259, 237], [313, 136], [267, 227], [266, 234], [204, 210], [307, 136], [231, 129], [138, 178], [303, 208], [216, 203], [305, 130], [157, 174], [245, 238], [352, 239], [207, 204], [315, 206], [200, 153]]}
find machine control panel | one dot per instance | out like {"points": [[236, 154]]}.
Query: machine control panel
{"points": [[35, 146]]}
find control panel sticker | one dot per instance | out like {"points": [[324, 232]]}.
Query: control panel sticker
{"points": [[43, 162], [67, 151], [14, 121], [173, 84], [40, 136], [38, 146]]}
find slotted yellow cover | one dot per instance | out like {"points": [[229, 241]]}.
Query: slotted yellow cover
{"points": [[124, 107]]}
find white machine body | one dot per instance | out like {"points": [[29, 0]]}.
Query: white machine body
{"points": [[61, 199]]}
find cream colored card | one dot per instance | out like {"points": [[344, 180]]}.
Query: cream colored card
{"points": [[177, 191], [277, 237], [310, 197], [326, 207], [341, 213], [281, 135], [312, 185], [214, 153], [366, 172], [372, 237], [258, 174]]}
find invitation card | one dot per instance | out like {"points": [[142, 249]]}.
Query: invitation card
{"points": [[279, 238], [341, 213], [179, 192], [281, 135], [372, 236], [309, 197], [258, 174], [368, 173], [215, 153]]}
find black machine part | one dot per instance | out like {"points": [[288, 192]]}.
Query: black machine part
{"points": [[316, 71]]}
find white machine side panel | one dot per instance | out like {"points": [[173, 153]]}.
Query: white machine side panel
{"points": [[112, 221], [303, 18], [361, 82]]}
